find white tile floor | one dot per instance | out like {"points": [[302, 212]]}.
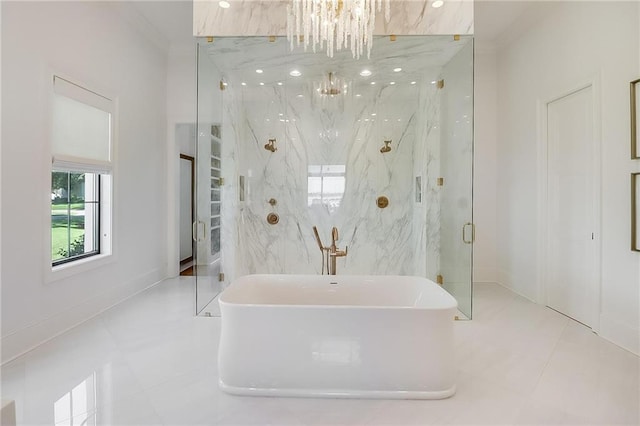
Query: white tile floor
{"points": [[150, 361]]}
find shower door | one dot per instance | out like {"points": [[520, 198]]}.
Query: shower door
{"points": [[208, 182], [457, 232]]}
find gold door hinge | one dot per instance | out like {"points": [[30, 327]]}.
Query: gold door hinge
{"points": [[221, 276], [440, 279], [456, 37], [392, 37], [272, 39], [221, 181], [209, 39], [440, 181]]}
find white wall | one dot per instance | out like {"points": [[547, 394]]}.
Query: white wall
{"points": [[181, 119], [91, 44], [577, 43], [484, 173]]}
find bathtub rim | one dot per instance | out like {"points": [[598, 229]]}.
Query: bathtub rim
{"points": [[222, 302], [337, 393]]}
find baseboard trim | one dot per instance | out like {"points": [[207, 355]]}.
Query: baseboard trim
{"points": [[19, 342], [620, 334]]}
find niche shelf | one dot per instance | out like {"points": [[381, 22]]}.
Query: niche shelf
{"points": [[216, 183]]}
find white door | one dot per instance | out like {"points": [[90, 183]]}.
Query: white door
{"points": [[571, 206]]}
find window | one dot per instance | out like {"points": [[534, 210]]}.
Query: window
{"points": [[80, 173], [325, 186], [75, 215]]}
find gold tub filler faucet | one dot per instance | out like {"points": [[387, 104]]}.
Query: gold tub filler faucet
{"points": [[329, 254]]}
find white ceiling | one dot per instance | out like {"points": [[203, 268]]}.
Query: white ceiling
{"points": [[494, 19]]}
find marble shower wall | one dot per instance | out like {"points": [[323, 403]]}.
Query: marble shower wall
{"points": [[346, 131], [343, 134]]}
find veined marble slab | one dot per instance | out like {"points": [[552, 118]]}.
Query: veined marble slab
{"points": [[348, 131], [269, 17]]}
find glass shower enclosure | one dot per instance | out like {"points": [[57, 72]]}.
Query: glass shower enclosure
{"points": [[380, 148]]}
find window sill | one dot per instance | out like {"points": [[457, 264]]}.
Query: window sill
{"points": [[67, 270]]}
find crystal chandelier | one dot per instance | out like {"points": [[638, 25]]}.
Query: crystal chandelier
{"points": [[338, 23], [331, 86]]}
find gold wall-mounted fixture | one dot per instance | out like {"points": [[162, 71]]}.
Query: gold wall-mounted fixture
{"points": [[272, 39], [209, 39], [223, 85], [456, 37], [464, 233], [392, 37], [635, 211], [440, 279], [386, 148], [440, 84], [221, 276], [273, 218], [440, 181], [382, 202], [271, 145], [221, 181], [272, 201], [635, 119]]}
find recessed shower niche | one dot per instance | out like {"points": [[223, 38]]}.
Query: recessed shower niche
{"points": [[330, 118]]}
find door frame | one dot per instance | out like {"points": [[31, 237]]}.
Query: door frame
{"points": [[544, 238], [193, 213]]}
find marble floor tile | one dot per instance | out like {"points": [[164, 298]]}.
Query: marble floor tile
{"points": [[151, 361]]}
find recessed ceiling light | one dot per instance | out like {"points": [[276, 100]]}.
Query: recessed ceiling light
{"points": [[295, 73], [397, 69], [259, 71], [279, 83], [358, 95], [373, 82], [392, 82], [433, 82], [373, 114], [365, 73], [224, 4], [413, 82], [261, 84], [438, 3], [300, 96], [243, 83]]}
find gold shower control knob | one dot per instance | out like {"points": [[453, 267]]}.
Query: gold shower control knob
{"points": [[382, 202], [273, 218]]}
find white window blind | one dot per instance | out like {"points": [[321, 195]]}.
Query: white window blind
{"points": [[81, 122]]}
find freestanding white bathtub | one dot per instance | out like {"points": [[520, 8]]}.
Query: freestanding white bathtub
{"points": [[337, 336]]}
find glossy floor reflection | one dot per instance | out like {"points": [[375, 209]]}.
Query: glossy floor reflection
{"points": [[151, 361]]}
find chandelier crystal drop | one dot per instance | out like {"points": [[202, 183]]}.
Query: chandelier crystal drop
{"points": [[336, 23]]}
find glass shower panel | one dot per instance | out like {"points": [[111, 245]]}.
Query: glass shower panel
{"points": [[456, 171], [209, 182], [360, 145]]}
